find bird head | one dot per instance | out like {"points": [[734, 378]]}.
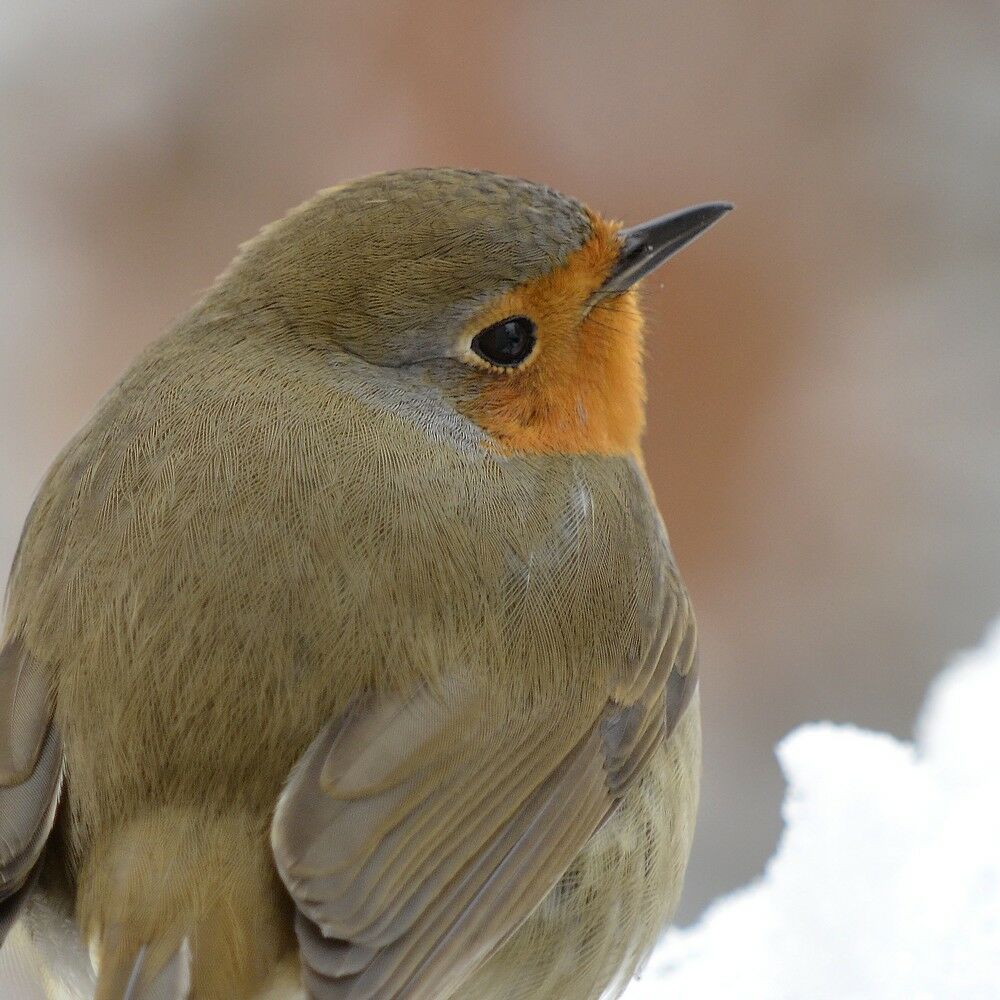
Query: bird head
{"points": [[518, 303]]}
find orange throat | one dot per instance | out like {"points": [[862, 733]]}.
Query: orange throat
{"points": [[582, 391]]}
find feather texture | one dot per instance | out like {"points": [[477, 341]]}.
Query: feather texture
{"points": [[30, 775], [291, 510], [417, 833]]}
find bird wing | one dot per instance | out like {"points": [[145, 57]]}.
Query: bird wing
{"points": [[30, 773], [419, 830]]}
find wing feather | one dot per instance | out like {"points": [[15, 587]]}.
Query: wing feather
{"points": [[419, 830], [30, 774]]}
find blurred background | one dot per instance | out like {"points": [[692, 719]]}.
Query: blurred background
{"points": [[824, 428]]}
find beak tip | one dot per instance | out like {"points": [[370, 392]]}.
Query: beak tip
{"points": [[717, 209], [646, 246]]}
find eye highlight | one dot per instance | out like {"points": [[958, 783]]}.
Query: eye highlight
{"points": [[507, 343]]}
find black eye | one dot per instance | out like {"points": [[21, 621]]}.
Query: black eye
{"points": [[506, 343]]}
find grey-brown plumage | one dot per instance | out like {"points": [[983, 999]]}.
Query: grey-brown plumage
{"points": [[357, 668]]}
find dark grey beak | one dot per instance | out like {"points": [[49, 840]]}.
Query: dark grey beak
{"points": [[647, 246]]}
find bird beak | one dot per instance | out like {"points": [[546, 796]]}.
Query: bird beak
{"points": [[647, 246]]}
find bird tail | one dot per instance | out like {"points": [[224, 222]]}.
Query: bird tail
{"points": [[183, 905]]}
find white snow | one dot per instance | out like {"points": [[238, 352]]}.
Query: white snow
{"points": [[886, 881]]}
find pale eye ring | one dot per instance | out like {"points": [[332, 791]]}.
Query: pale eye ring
{"points": [[506, 343]]}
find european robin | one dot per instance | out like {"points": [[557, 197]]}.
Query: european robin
{"points": [[345, 652]]}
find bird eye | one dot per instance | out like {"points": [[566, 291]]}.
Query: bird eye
{"points": [[506, 343]]}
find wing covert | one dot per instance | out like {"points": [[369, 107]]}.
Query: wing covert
{"points": [[30, 774], [419, 830]]}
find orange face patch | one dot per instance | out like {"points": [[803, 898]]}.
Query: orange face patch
{"points": [[582, 390]]}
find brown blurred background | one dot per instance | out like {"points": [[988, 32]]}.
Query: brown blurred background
{"points": [[825, 366]]}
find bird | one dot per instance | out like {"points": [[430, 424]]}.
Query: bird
{"points": [[345, 655]]}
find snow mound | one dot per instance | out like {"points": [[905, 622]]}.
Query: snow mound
{"points": [[886, 881]]}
